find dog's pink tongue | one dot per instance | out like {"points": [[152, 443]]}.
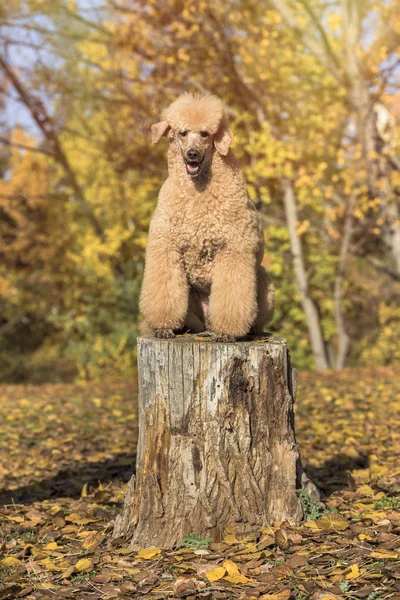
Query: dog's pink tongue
{"points": [[192, 168]]}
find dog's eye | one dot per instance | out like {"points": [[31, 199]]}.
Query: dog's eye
{"points": [[204, 134], [183, 133]]}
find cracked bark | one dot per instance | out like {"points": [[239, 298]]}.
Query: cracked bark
{"points": [[216, 444]]}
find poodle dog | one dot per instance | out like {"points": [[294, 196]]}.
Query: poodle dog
{"points": [[203, 261]]}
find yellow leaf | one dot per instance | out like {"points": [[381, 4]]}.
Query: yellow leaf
{"points": [[283, 595], [281, 539], [50, 565], [377, 514], [366, 490], [91, 541], [83, 565], [51, 546], [84, 490], [86, 532], [11, 561], [68, 572], [230, 539], [79, 519], [236, 578], [230, 567], [131, 571], [354, 573], [330, 522], [384, 554], [148, 553], [379, 496], [216, 574], [16, 519]]}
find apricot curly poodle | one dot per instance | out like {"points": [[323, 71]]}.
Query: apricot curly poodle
{"points": [[203, 261]]}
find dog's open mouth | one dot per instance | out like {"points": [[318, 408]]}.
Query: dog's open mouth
{"points": [[193, 168]]}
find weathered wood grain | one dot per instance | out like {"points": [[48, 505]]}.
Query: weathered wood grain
{"points": [[216, 444]]}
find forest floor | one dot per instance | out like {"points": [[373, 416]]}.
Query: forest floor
{"points": [[66, 453]]}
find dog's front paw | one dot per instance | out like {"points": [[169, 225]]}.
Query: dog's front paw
{"points": [[164, 333], [224, 338]]}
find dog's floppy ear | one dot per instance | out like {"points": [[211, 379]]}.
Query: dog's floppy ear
{"points": [[223, 139], [158, 130]]}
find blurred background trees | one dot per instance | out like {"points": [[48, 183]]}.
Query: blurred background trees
{"points": [[312, 90]]}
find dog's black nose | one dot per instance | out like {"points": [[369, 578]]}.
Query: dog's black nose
{"points": [[193, 154]]}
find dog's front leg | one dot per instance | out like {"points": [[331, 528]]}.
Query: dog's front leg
{"points": [[233, 299], [165, 291]]}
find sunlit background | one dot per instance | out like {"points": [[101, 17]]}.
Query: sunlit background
{"points": [[312, 91]]}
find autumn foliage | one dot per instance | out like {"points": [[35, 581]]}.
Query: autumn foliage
{"points": [[312, 93]]}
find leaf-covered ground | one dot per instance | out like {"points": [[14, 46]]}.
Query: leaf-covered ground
{"points": [[65, 457]]}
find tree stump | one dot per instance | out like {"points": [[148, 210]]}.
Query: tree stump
{"points": [[216, 443]]}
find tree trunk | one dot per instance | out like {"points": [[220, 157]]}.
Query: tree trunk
{"points": [[216, 444], [310, 308], [343, 336]]}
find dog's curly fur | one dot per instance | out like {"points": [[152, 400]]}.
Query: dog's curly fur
{"points": [[203, 261]]}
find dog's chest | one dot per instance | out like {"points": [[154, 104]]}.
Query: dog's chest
{"points": [[199, 245]]}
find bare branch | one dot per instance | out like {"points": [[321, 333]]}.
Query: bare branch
{"points": [[45, 124], [317, 24], [7, 142], [321, 51]]}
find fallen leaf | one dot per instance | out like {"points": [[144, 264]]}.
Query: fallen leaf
{"points": [[92, 541], [83, 565], [203, 568], [184, 586], [354, 573], [51, 546], [297, 561], [79, 519], [216, 574], [330, 522], [282, 571], [230, 539], [384, 554], [365, 490], [363, 536], [11, 561], [68, 572], [230, 567], [236, 578], [148, 553], [283, 595], [51, 566], [265, 541], [34, 515], [281, 539], [16, 519]]}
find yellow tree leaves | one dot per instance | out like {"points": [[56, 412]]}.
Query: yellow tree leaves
{"points": [[112, 77]]}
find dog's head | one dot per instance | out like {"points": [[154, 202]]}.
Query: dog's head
{"points": [[199, 126]]}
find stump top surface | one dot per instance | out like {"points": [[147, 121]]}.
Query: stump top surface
{"points": [[207, 337]]}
